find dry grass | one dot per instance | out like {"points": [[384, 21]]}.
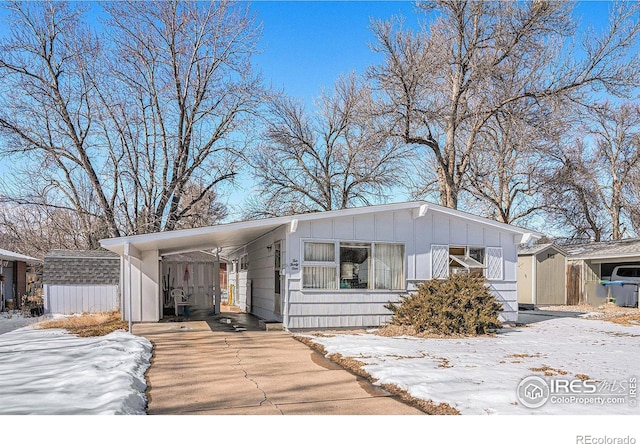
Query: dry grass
{"points": [[549, 371], [524, 355], [626, 319], [88, 324], [354, 366], [409, 330]]}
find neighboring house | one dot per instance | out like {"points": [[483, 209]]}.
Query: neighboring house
{"points": [[81, 281], [17, 277], [590, 263], [330, 269], [542, 275]]}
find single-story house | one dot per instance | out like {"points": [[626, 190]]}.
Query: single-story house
{"points": [[589, 264], [16, 277], [81, 281], [542, 275], [330, 269]]}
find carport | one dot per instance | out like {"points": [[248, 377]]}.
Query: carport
{"points": [[590, 263], [142, 255]]}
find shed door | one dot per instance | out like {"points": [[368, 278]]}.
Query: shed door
{"points": [[574, 284]]}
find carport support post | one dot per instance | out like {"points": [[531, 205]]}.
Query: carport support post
{"points": [[216, 283], [130, 304]]}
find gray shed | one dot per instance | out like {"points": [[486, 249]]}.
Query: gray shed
{"points": [[542, 278], [81, 281]]}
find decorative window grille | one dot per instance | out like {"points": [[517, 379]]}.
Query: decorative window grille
{"points": [[439, 261], [494, 263]]}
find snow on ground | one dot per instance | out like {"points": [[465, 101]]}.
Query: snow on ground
{"points": [[481, 375], [11, 320], [52, 372]]}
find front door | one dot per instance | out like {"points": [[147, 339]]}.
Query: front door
{"points": [[277, 279]]}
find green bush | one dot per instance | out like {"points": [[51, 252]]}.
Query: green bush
{"points": [[459, 305]]}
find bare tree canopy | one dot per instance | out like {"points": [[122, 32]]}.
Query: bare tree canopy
{"points": [[591, 191], [440, 87], [507, 168], [122, 122], [334, 159]]}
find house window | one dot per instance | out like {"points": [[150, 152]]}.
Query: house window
{"points": [[319, 269], [353, 265], [466, 260], [389, 266], [244, 262], [480, 261]]}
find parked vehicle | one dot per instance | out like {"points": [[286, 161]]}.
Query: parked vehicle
{"points": [[628, 277]]}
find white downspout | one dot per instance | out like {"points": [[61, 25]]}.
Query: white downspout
{"points": [[534, 278], [216, 283]]}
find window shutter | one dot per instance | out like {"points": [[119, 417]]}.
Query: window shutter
{"points": [[439, 261], [494, 263]]}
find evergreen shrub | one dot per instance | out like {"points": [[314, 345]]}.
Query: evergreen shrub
{"points": [[461, 304]]}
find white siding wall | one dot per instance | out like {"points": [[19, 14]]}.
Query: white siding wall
{"points": [[340, 308], [261, 275], [145, 288], [68, 299]]}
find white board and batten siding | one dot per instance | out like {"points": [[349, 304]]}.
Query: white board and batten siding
{"points": [[254, 288], [70, 299], [308, 309]]}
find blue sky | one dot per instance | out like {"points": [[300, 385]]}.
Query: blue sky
{"points": [[306, 45]]}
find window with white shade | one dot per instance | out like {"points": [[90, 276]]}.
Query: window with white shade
{"points": [[353, 266], [389, 266], [319, 267]]}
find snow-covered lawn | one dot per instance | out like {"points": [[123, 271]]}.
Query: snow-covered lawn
{"points": [[52, 372], [481, 375]]}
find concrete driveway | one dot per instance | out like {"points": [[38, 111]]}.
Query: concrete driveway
{"points": [[205, 367]]}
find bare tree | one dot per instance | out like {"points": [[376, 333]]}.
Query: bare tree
{"points": [[201, 207], [334, 159], [45, 111], [507, 167], [118, 122], [442, 85], [592, 191], [187, 90], [34, 230]]}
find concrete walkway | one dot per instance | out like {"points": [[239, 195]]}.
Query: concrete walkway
{"points": [[196, 370]]}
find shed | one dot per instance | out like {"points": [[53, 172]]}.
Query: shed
{"points": [[18, 278], [81, 281], [589, 263], [330, 269], [542, 278]]}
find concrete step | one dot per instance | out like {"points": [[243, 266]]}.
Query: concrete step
{"points": [[270, 325]]}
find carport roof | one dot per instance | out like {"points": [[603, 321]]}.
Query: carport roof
{"points": [[7, 255], [232, 236], [604, 250]]}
